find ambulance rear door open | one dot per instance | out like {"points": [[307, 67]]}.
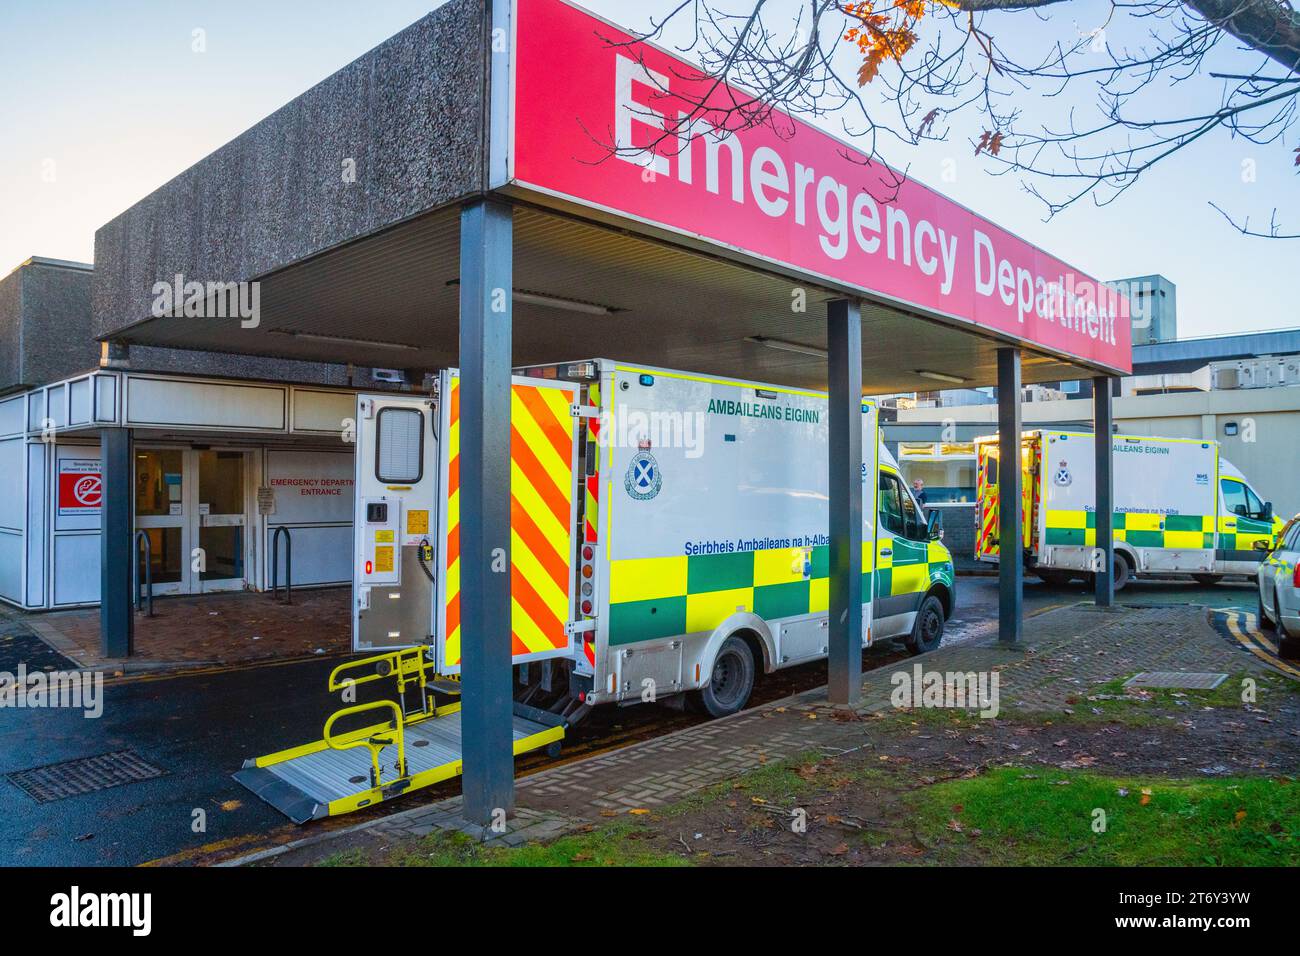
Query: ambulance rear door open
{"points": [[407, 542], [543, 521], [394, 545]]}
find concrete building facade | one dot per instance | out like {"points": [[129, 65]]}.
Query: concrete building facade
{"points": [[229, 449]]}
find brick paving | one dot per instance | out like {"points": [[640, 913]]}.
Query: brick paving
{"points": [[232, 628], [1066, 651]]}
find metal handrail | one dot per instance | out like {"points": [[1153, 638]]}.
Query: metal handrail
{"points": [[288, 564], [407, 666], [375, 743], [148, 572]]}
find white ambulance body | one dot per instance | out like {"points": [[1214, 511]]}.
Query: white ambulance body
{"points": [[696, 539], [1176, 507], [669, 540]]}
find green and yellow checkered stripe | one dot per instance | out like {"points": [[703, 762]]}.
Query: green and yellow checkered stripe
{"points": [[1139, 530], [653, 598], [911, 567], [1240, 534]]}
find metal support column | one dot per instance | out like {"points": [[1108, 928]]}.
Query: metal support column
{"points": [[116, 554], [844, 650], [1011, 569], [1105, 472], [486, 282]]}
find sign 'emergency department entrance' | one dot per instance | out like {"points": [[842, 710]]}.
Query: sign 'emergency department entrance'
{"points": [[600, 123]]}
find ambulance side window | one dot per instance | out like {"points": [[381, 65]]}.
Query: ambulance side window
{"points": [[898, 512], [891, 507], [1240, 500]]}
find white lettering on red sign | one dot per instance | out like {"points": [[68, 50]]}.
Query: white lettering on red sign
{"points": [[817, 205]]}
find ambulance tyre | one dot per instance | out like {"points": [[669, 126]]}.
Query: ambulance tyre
{"points": [[927, 632], [731, 682], [1120, 576]]}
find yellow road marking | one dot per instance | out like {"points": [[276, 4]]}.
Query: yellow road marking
{"points": [[1231, 619]]}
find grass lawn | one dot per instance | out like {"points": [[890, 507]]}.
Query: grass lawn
{"points": [[1046, 817]]}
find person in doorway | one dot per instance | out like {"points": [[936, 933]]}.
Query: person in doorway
{"points": [[918, 491]]}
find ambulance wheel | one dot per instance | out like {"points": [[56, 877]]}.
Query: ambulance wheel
{"points": [[1207, 580], [927, 632], [1122, 572], [731, 682]]}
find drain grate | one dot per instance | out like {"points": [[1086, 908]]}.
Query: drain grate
{"points": [[71, 778], [1182, 680]]}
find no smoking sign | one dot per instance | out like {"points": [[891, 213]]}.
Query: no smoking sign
{"points": [[81, 487]]}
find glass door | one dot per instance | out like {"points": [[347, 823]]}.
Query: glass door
{"points": [[220, 520], [161, 513]]}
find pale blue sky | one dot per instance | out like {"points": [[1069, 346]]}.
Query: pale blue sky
{"points": [[104, 102]]}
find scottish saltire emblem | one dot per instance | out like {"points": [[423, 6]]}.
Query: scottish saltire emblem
{"points": [[1062, 478], [643, 479]]}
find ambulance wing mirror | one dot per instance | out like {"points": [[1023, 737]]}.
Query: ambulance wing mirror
{"points": [[1264, 544], [934, 525], [1268, 511]]}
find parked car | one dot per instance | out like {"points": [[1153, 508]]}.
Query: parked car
{"points": [[1278, 578]]}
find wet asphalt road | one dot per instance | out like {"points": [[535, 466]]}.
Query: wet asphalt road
{"points": [[200, 728]]}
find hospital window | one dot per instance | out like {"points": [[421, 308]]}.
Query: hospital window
{"points": [[946, 482]]}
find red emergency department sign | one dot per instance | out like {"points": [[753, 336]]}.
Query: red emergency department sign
{"points": [[629, 129], [81, 487]]}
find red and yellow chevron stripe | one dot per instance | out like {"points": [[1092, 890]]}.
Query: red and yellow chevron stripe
{"points": [[541, 513], [987, 496]]}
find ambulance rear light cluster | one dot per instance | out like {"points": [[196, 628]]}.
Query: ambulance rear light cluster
{"points": [[587, 571]]}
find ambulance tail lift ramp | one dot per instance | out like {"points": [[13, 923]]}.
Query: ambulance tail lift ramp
{"points": [[406, 598]]}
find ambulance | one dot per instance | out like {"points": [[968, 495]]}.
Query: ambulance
{"points": [[1180, 507], [669, 543]]}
